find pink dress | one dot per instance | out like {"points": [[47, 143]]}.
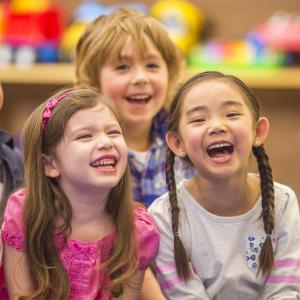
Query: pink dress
{"points": [[82, 259]]}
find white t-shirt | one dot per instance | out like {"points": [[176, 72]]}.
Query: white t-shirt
{"points": [[224, 251]]}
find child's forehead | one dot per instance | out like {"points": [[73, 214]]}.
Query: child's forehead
{"points": [[213, 89], [99, 114], [142, 46]]}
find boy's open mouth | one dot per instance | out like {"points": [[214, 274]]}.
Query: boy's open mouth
{"points": [[139, 98], [219, 149]]}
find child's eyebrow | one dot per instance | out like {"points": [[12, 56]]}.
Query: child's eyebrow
{"points": [[151, 56], [232, 103], [93, 127], [196, 109]]}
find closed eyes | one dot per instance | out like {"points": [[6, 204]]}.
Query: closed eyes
{"points": [[233, 114], [84, 136], [115, 132], [152, 65], [122, 67], [197, 120]]}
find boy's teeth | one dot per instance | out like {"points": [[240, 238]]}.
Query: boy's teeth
{"points": [[140, 97], [143, 98]]}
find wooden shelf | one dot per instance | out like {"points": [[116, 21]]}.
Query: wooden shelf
{"points": [[263, 78], [63, 73]]}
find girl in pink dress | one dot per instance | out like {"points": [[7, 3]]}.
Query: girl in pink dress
{"points": [[73, 232]]}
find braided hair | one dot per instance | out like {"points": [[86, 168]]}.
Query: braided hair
{"points": [[266, 257]]}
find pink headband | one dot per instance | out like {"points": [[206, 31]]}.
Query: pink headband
{"points": [[51, 104]]}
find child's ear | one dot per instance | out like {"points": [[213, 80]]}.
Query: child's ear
{"points": [[175, 144], [50, 166], [261, 131]]}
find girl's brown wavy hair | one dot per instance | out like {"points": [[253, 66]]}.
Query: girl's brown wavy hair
{"points": [[266, 257], [45, 201]]}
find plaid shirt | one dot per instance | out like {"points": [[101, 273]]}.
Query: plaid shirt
{"points": [[149, 182]]}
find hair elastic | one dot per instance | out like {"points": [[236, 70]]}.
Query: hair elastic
{"points": [[176, 234], [51, 104]]}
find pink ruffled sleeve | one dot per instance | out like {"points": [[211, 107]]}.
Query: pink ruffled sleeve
{"points": [[13, 225], [147, 237]]}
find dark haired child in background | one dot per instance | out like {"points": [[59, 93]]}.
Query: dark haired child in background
{"points": [[11, 174]]}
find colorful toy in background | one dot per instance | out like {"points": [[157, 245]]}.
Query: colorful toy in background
{"points": [[280, 32], [86, 12], [274, 43], [31, 32], [29, 6], [234, 53], [183, 20], [34, 31]]}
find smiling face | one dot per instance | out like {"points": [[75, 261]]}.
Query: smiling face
{"points": [[216, 129], [137, 83], [92, 153]]}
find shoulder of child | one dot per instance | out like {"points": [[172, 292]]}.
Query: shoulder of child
{"points": [[15, 203], [160, 203], [146, 235], [284, 193], [285, 198], [13, 225]]}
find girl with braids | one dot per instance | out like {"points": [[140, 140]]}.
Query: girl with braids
{"points": [[73, 232], [225, 233]]}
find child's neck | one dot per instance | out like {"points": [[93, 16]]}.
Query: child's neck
{"points": [[138, 137], [230, 197], [90, 220]]}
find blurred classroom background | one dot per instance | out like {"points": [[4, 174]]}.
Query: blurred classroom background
{"points": [[258, 41]]}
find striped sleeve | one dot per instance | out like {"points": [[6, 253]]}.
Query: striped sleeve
{"points": [[284, 281], [172, 286]]}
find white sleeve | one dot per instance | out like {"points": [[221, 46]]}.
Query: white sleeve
{"points": [[284, 281], [172, 286]]}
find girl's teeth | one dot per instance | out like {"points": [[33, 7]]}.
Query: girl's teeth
{"points": [[219, 145], [106, 162]]}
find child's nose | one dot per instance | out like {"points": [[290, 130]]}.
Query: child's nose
{"points": [[104, 143], [217, 126], [140, 76]]}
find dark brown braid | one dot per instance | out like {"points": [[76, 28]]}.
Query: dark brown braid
{"points": [[181, 260], [266, 257]]}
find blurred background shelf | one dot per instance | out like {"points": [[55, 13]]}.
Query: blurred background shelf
{"points": [[64, 73]]}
